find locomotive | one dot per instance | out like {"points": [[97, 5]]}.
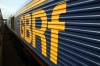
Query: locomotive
{"points": [[60, 32]]}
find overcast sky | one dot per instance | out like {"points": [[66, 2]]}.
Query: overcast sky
{"points": [[9, 7]]}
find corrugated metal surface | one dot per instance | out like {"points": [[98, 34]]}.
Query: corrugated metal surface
{"points": [[78, 40], [9, 22]]}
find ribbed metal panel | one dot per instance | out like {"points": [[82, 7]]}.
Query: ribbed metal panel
{"points": [[79, 42], [9, 22]]}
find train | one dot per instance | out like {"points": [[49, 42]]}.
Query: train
{"points": [[1, 30], [1, 23], [59, 32]]}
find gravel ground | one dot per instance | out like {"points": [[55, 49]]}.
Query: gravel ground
{"points": [[10, 54]]}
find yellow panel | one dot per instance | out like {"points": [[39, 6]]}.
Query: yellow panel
{"points": [[39, 32], [54, 24], [27, 28], [33, 4], [22, 28]]}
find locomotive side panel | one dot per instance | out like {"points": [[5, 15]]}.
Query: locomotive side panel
{"points": [[61, 32]]}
